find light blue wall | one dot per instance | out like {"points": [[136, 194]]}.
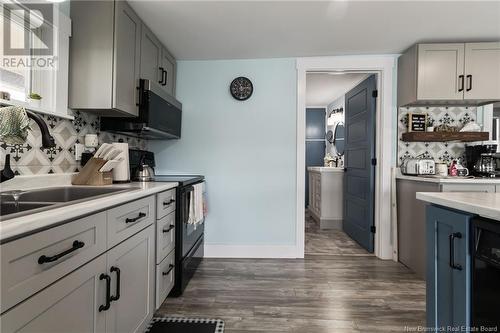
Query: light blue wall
{"points": [[246, 150]]}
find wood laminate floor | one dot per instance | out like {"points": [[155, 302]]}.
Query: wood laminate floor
{"points": [[338, 287]]}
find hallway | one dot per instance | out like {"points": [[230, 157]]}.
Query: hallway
{"points": [[338, 287]]}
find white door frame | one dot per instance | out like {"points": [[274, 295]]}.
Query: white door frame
{"points": [[385, 66]]}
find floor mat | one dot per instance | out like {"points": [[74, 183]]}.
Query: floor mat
{"points": [[185, 325]]}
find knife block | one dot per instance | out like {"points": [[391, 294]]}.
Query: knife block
{"points": [[90, 174]]}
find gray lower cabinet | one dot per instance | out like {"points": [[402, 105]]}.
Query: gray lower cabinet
{"points": [[69, 305], [448, 269], [131, 268], [104, 57], [84, 286]]}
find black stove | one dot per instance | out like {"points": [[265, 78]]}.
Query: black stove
{"points": [[183, 180]]}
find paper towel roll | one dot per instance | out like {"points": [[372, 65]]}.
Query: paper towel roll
{"points": [[121, 172]]}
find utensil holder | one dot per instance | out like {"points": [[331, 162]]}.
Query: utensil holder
{"points": [[90, 174]]}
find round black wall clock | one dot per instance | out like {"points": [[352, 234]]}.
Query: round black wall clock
{"points": [[241, 88]]}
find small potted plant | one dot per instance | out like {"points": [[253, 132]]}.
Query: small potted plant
{"points": [[35, 100]]}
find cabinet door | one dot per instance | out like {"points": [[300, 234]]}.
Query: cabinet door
{"points": [[69, 305], [448, 268], [150, 56], [126, 55], [482, 70], [168, 65], [440, 71], [134, 258]]}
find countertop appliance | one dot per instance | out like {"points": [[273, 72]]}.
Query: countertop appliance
{"points": [[418, 166], [189, 240], [160, 115], [485, 273], [483, 160]]}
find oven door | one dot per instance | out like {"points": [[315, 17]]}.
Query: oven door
{"points": [[190, 232]]}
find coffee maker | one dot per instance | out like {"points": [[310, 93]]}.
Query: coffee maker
{"points": [[483, 160]]}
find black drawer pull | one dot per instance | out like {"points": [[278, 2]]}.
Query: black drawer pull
{"points": [[452, 250], [161, 75], [134, 219], [469, 83], [76, 245], [108, 292], [461, 83], [170, 268], [117, 294], [169, 228], [167, 203]]}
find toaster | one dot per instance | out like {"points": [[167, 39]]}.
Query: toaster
{"points": [[418, 166]]}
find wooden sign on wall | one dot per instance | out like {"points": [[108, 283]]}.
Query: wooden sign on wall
{"points": [[417, 122]]}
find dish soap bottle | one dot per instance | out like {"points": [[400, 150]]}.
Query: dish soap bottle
{"points": [[453, 171]]}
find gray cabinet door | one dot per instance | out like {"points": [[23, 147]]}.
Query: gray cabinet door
{"points": [[70, 305], [482, 70], [132, 264], [448, 268], [127, 51], [169, 68], [150, 56], [440, 71]]}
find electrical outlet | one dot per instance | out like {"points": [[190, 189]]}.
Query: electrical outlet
{"points": [[79, 148]]}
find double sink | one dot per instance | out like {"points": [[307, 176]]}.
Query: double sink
{"points": [[19, 203]]}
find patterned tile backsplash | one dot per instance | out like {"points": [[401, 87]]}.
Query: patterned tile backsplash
{"points": [[443, 152], [30, 158]]}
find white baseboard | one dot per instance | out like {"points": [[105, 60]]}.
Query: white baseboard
{"points": [[250, 251]]}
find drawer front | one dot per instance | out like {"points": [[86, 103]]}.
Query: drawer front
{"points": [[165, 203], [165, 236], [468, 188], [34, 262], [128, 219], [165, 274]]}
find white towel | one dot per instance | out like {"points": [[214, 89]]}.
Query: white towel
{"points": [[196, 211]]}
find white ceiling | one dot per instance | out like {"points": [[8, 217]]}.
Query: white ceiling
{"points": [[324, 88], [199, 30]]}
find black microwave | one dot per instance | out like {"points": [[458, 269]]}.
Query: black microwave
{"points": [[160, 115]]}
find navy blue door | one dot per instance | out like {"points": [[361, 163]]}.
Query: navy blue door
{"points": [[359, 178], [315, 141]]}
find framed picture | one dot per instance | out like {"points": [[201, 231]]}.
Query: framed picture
{"points": [[417, 122]]}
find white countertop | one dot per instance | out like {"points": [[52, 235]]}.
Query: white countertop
{"points": [[13, 228], [449, 180], [325, 169], [483, 204]]}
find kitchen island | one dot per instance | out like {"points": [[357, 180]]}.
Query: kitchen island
{"points": [[462, 242], [411, 212]]}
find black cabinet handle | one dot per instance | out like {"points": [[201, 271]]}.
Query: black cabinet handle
{"points": [[452, 250], [117, 293], [170, 268], [76, 245], [134, 219], [461, 83], [108, 292], [164, 78], [469, 82], [169, 228], [161, 74], [167, 203]]}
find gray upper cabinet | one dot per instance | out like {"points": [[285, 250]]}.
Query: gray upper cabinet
{"points": [[482, 67], [157, 64], [169, 71], [449, 73], [110, 50], [150, 56], [104, 57]]}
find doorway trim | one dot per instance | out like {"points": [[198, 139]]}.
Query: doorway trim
{"points": [[385, 67]]}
